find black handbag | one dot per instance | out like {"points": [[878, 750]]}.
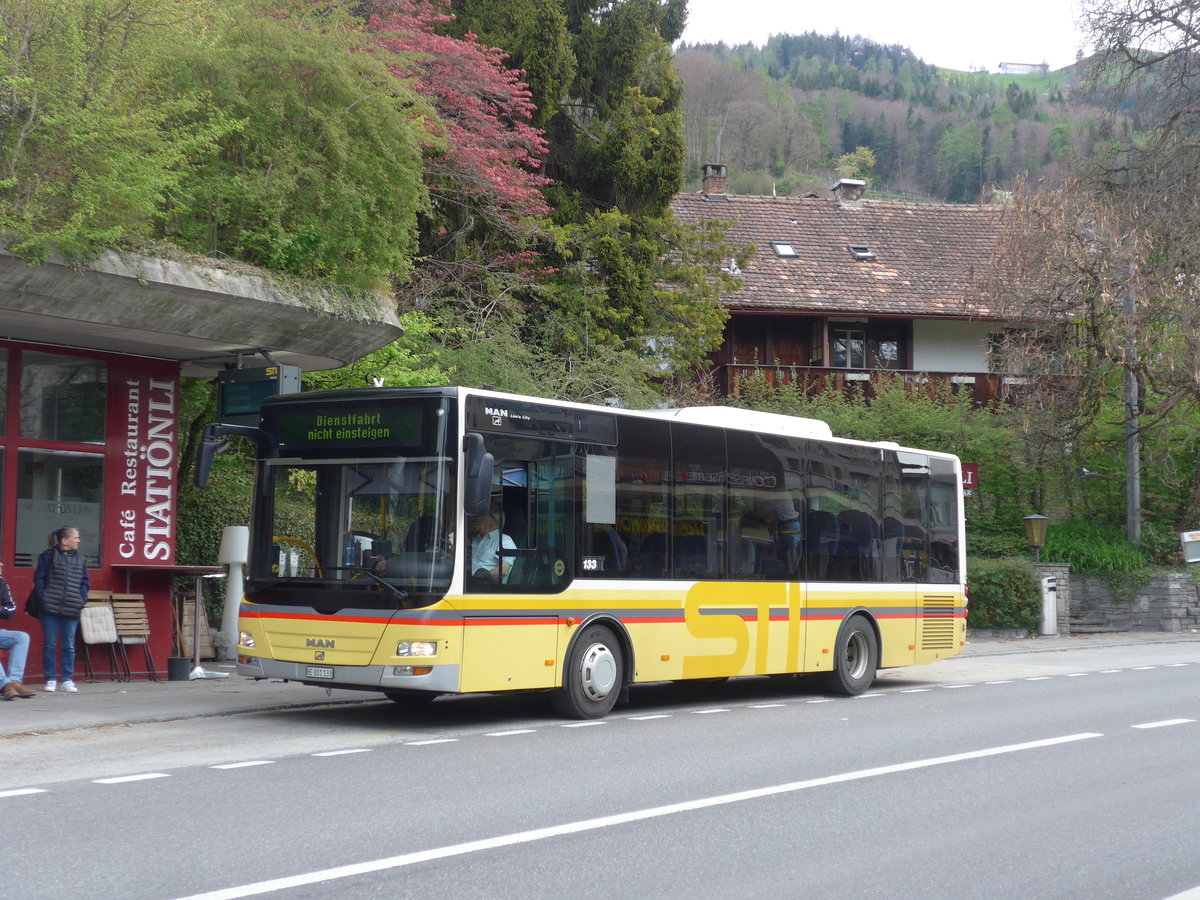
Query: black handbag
{"points": [[33, 603]]}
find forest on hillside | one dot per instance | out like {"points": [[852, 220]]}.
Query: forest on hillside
{"points": [[780, 114]]}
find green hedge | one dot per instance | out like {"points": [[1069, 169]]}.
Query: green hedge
{"points": [[1004, 593]]}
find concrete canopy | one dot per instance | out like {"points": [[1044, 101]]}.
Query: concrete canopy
{"points": [[202, 315]]}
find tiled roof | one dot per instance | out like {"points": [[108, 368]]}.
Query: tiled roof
{"points": [[929, 259]]}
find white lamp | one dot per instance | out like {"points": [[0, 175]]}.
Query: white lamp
{"points": [[235, 553]]}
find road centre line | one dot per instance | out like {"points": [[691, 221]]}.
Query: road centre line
{"points": [[509, 733], [1163, 723], [245, 765], [121, 779], [540, 834], [21, 792], [344, 752]]}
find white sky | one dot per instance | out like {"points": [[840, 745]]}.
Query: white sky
{"points": [[951, 34]]}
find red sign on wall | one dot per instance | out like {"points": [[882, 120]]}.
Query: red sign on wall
{"points": [[970, 472], [142, 474]]}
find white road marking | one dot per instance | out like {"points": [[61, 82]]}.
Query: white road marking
{"points": [[431, 741], [585, 825], [21, 792], [124, 778], [245, 765], [647, 718], [1163, 724], [510, 733], [1192, 894], [343, 752], [583, 724]]}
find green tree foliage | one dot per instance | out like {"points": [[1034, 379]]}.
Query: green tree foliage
{"points": [[93, 149], [323, 175], [252, 129], [621, 280], [859, 163]]}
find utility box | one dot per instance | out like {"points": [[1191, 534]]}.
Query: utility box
{"points": [[1191, 545], [1049, 606]]}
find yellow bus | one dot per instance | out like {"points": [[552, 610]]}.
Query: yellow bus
{"points": [[428, 541]]}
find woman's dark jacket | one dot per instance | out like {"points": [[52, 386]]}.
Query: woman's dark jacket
{"points": [[62, 582]]}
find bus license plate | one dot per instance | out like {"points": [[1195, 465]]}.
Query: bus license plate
{"points": [[318, 671]]}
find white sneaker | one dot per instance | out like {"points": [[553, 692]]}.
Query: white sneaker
{"points": [[69, 687], [51, 686]]}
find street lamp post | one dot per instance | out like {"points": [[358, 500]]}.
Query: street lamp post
{"points": [[1035, 533]]}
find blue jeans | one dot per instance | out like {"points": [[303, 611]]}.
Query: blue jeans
{"points": [[17, 645], [55, 628]]}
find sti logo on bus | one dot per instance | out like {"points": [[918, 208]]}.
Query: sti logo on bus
{"points": [[319, 642]]}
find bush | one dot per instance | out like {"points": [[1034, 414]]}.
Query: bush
{"points": [[1092, 548], [1004, 593]]}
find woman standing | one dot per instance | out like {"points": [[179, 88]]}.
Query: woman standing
{"points": [[62, 583]]}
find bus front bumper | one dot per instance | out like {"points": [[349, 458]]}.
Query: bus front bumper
{"points": [[443, 679]]}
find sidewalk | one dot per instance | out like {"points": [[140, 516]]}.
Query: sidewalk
{"points": [[115, 703]]}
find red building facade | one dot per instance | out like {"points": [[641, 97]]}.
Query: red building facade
{"points": [[91, 361]]}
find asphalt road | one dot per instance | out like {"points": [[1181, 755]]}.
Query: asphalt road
{"points": [[1048, 774]]}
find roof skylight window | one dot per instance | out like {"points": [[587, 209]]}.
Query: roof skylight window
{"points": [[862, 253], [784, 248]]}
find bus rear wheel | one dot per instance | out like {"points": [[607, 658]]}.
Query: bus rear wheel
{"points": [[592, 680], [855, 659]]}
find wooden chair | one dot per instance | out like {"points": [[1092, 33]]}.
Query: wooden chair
{"points": [[98, 625], [133, 626]]}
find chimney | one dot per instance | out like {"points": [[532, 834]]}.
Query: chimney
{"points": [[849, 191], [714, 180]]}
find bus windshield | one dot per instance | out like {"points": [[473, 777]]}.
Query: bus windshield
{"points": [[375, 532]]}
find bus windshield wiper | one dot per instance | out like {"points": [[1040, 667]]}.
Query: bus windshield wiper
{"points": [[400, 595]]}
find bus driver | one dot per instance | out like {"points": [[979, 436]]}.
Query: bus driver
{"points": [[485, 550]]}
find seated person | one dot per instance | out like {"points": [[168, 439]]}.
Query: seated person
{"points": [[485, 548]]}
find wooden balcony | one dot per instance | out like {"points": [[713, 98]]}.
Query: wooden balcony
{"points": [[985, 389]]}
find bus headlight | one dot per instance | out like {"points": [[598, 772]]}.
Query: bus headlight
{"points": [[245, 639], [416, 648]]}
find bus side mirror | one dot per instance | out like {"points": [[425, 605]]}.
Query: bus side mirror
{"points": [[477, 490], [214, 440], [204, 457]]}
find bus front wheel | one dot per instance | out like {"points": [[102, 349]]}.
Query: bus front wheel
{"points": [[592, 680], [855, 659]]}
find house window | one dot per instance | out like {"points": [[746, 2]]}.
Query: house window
{"points": [[848, 348], [784, 249]]}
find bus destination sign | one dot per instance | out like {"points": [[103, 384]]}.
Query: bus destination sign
{"points": [[343, 426]]}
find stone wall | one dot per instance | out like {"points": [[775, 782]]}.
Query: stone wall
{"points": [[1168, 602]]}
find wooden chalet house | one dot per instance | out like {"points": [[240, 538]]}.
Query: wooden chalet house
{"points": [[844, 290]]}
